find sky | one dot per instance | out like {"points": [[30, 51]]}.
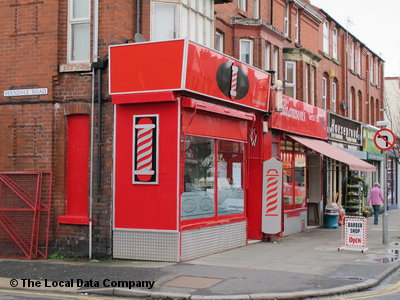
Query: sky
{"points": [[375, 23]]}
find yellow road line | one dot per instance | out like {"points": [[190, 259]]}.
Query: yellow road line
{"points": [[390, 290], [55, 295]]}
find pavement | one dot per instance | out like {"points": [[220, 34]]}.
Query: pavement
{"points": [[300, 266]]}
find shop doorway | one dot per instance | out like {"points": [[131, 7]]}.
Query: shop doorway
{"points": [[314, 200]]}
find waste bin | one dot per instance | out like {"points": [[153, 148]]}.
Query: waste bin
{"points": [[331, 216]]}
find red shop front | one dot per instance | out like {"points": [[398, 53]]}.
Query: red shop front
{"points": [[188, 150], [302, 174]]}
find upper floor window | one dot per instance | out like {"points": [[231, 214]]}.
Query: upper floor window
{"points": [[242, 4], [324, 92], [286, 20], [312, 85], [290, 79], [306, 97], [352, 56], [164, 22], [334, 96], [297, 31], [335, 44], [219, 41], [267, 61], [371, 69], [376, 73], [256, 9], [192, 19], [325, 46], [246, 51], [359, 58], [276, 63], [78, 31]]}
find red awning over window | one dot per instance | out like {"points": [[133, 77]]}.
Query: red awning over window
{"points": [[354, 163]]}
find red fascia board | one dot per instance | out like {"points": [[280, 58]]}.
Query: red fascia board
{"points": [[144, 97], [205, 106]]}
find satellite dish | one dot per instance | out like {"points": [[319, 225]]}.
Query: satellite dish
{"points": [[139, 37]]}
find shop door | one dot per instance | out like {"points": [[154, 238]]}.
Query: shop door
{"points": [[314, 190]]}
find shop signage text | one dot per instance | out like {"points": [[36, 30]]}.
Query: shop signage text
{"points": [[354, 234], [25, 92], [344, 130], [272, 195], [301, 118]]}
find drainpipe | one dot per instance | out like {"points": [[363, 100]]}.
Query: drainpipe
{"points": [[138, 16], [94, 59], [271, 12], [97, 68]]}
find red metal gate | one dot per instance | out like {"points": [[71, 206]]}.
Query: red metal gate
{"points": [[25, 199]]}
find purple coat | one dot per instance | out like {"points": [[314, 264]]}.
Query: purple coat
{"points": [[375, 196]]}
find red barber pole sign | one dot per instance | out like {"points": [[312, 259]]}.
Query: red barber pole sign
{"points": [[145, 149], [272, 197]]}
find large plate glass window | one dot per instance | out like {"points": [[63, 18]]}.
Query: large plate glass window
{"points": [[213, 177]]}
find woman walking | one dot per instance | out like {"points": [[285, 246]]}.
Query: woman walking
{"points": [[375, 199]]}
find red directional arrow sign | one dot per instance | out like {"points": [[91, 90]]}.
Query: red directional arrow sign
{"points": [[385, 139]]}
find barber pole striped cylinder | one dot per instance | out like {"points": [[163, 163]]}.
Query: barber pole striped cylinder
{"points": [[144, 149], [234, 80]]}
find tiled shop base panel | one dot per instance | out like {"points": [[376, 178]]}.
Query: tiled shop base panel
{"points": [[146, 245], [209, 240]]}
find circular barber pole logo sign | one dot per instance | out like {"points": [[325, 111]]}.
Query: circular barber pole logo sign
{"points": [[232, 81]]}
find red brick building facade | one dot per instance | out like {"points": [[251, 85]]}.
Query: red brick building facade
{"points": [[62, 50]]}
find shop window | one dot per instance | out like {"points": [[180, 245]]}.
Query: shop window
{"points": [[78, 31], [230, 181], [294, 180], [211, 164]]}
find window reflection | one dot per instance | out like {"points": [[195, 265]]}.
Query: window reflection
{"points": [[201, 157], [198, 196], [230, 179]]}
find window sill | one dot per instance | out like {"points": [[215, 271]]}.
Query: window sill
{"points": [[336, 61], [75, 220], [327, 55], [80, 67]]}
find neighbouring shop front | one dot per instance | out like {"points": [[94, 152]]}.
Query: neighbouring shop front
{"points": [[302, 166], [188, 151], [346, 184]]}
